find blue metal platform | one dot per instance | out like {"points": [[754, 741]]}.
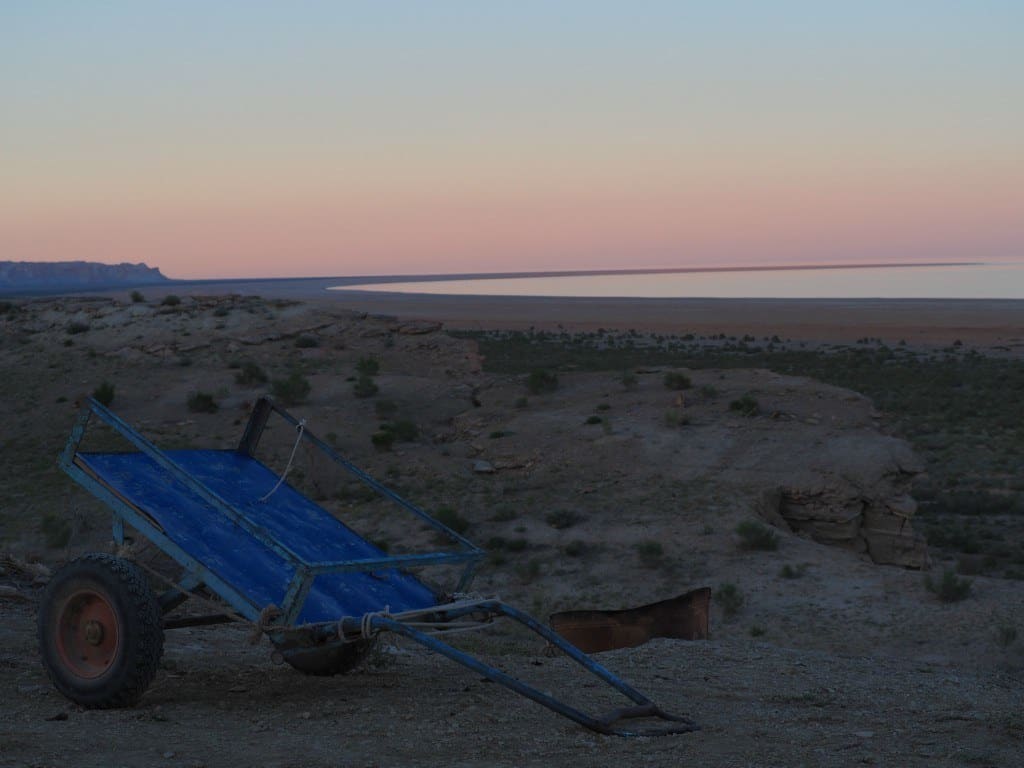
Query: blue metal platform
{"points": [[238, 557]]}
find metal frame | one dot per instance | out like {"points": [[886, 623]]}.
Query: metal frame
{"points": [[345, 629]]}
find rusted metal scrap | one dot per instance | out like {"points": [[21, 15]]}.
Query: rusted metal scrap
{"points": [[684, 617]]}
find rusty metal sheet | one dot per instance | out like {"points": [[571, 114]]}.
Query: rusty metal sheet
{"points": [[684, 617]]}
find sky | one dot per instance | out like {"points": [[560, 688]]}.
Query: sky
{"points": [[268, 139]]}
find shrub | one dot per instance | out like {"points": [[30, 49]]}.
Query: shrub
{"points": [[306, 342], [629, 380], [951, 589], [75, 328], [730, 598], [405, 430], [56, 531], [383, 439], [709, 392], [603, 407], [1006, 634], [746, 405], [137, 297], [250, 374], [385, 409], [202, 402], [541, 381], [452, 519], [497, 434], [517, 545], [368, 366], [674, 417], [594, 419], [104, 393], [676, 380], [755, 535], [364, 387], [562, 518], [170, 300], [792, 572], [221, 312], [575, 548], [521, 402], [528, 571], [757, 631], [650, 553], [292, 390]]}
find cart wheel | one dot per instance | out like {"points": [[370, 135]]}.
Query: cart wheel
{"points": [[100, 630], [325, 662]]}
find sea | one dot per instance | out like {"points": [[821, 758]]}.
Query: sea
{"points": [[1004, 280]]}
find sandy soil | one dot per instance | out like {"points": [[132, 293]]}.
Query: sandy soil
{"points": [[849, 663]]}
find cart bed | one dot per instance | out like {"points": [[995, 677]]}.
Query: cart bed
{"points": [[238, 557]]}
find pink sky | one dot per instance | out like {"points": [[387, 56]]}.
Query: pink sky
{"points": [[489, 140]]}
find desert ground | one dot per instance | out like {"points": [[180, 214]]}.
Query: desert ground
{"points": [[601, 489]]}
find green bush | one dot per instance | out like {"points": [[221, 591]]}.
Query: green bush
{"points": [[562, 518], [594, 419], [170, 300], [306, 342], [755, 535], [521, 402], [676, 380], [452, 519], [792, 571], [56, 531], [250, 374], [76, 328], [202, 402], [541, 381], [629, 380], [951, 589], [650, 553], [364, 386], [730, 598], [137, 297], [383, 439], [746, 405], [292, 390], [368, 366], [674, 417], [575, 548], [104, 393]]}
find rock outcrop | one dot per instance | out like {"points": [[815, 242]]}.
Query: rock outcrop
{"points": [[18, 276]]}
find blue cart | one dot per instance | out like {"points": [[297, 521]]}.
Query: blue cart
{"points": [[238, 531]]}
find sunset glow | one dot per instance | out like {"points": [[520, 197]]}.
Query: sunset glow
{"points": [[356, 139]]}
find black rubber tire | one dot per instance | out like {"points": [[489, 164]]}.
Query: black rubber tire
{"points": [[134, 614], [327, 662]]}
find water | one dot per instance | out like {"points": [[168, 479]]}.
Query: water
{"points": [[956, 281]]}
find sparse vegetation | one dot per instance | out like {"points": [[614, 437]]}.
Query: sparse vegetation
{"points": [[593, 419], [950, 588], [170, 300], [757, 631], [746, 406], [521, 402], [383, 439], [675, 417], [449, 517], [540, 381], [575, 548], [250, 374], [562, 518], [56, 531], [76, 327], [292, 390], [368, 366], [307, 342], [364, 386], [729, 596], [137, 297], [202, 402], [629, 381], [792, 571], [104, 394], [677, 380], [650, 553], [756, 535]]}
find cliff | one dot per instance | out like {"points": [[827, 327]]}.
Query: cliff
{"points": [[16, 276]]}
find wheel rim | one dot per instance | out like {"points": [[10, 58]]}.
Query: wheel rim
{"points": [[87, 634]]}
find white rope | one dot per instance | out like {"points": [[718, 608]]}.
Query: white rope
{"points": [[367, 631], [300, 428]]}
